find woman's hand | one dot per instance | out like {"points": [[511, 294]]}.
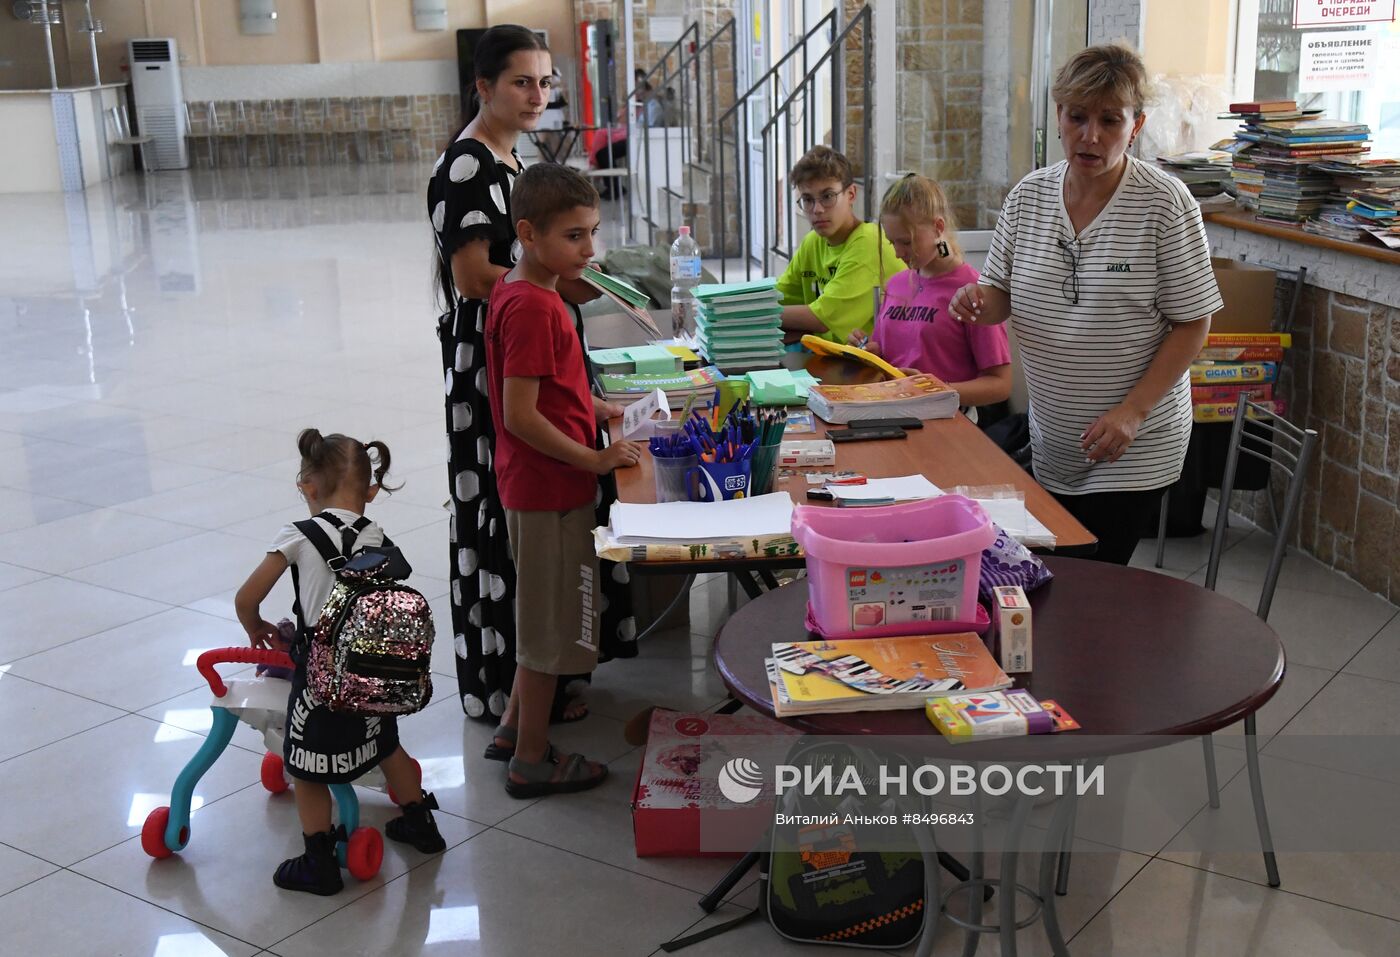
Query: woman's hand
{"points": [[1111, 434], [966, 304]]}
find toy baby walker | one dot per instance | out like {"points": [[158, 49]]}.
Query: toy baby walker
{"points": [[261, 703]]}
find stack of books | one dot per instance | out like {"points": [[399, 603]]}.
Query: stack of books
{"points": [[1232, 364], [739, 324], [649, 358], [678, 386], [878, 674], [1364, 201], [1274, 171], [1205, 172], [917, 396]]}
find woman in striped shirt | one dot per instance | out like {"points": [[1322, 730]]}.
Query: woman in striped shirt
{"points": [[1102, 266]]}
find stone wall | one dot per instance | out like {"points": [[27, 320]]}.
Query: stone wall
{"points": [[940, 49], [1342, 379]]}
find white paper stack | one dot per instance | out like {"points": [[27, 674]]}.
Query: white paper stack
{"points": [[739, 324], [688, 522]]}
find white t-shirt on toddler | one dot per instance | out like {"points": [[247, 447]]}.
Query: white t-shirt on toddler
{"points": [[315, 578]]}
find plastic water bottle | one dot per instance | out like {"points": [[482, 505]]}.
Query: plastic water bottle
{"points": [[685, 276]]}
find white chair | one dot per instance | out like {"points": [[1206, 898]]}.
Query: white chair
{"points": [[121, 134]]}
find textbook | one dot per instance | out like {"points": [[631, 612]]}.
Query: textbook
{"points": [[1225, 411], [920, 397], [615, 287], [966, 717], [1241, 354], [1220, 394], [878, 674], [1208, 373], [638, 385], [631, 359]]}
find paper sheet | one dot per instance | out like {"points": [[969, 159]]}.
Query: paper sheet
{"points": [[769, 514], [902, 489], [1018, 520], [638, 421]]}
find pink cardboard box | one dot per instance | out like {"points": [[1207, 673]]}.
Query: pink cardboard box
{"points": [[678, 783]]}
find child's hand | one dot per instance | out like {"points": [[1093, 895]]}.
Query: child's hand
{"points": [[617, 456], [857, 338], [607, 410], [966, 304], [911, 371], [265, 635]]}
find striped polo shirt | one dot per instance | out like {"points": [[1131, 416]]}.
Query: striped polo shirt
{"points": [[1140, 266]]}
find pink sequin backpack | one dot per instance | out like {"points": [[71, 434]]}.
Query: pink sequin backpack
{"points": [[370, 649]]}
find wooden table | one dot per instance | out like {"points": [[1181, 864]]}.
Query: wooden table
{"points": [[1137, 658], [949, 452]]}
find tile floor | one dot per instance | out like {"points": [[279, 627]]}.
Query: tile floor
{"points": [[161, 341]]}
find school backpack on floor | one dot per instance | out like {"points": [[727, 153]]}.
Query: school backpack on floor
{"points": [[370, 649], [822, 883]]}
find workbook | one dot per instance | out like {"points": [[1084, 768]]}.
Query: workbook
{"points": [[966, 717], [919, 396], [878, 674], [638, 385]]}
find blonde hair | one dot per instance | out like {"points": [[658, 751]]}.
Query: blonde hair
{"points": [[919, 201], [1107, 73]]}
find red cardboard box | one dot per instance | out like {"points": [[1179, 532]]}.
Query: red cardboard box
{"points": [[679, 781]]}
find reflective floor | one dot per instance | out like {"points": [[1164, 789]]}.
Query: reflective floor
{"points": [[162, 340]]}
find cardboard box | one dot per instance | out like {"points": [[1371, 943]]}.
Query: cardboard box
{"points": [[677, 803], [805, 452], [1013, 634], [1248, 291]]}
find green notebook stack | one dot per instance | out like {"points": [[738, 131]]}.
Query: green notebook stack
{"points": [[617, 288], [739, 324]]}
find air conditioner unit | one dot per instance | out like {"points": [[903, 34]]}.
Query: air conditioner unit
{"points": [[160, 104]]}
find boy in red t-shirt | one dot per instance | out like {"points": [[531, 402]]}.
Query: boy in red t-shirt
{"points": [[547, 469]]}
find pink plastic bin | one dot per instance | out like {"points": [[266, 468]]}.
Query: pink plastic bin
{"points": [[907, 569]]}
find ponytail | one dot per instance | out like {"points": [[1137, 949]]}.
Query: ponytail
{"points": [[919, 201], [332, 459]]}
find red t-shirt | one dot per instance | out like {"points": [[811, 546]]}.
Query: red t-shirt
{"points": [[529, 334]]}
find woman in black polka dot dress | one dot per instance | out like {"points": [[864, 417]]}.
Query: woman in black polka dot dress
{"points": [[469, 206]]}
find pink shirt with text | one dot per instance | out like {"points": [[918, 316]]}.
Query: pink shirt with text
{"points": [[914, 329]]}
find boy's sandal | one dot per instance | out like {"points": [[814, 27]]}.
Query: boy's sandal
{"points": [[502, 752], [554, 775]]}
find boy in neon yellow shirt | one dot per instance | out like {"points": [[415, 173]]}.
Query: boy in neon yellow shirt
{"points": [[827, 288]]}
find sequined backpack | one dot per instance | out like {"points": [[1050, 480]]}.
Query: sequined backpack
{"points": [[370, 649]]}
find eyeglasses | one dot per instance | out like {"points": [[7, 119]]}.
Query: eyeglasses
{"points": [[1071, 250], [826, 200]]}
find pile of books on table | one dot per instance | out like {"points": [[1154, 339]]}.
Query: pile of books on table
{"points": [[1274, 171], [1365, 200], [739, 324], [1232, 364], [1206, 173], [917, 397]]}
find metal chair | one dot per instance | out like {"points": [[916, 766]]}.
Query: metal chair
{"points": [[1283, 445], [122, 135], [1298, 276]]}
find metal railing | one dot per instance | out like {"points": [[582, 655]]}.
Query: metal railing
{"points": [[781, 110]]}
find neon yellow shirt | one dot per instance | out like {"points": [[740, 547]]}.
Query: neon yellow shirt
{"points": [[837, 282]]}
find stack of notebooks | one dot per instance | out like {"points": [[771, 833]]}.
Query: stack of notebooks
{"points": [[878, 674], [1205, 173], [1232, 364], [678, 386], [917, 396], [739, 324], [632, 300]]}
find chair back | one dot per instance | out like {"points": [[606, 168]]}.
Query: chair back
{"points": [[1282, 445], [121, 127]]}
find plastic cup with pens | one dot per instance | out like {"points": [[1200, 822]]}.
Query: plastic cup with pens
{"points": [[672, 459], [768, 430]]}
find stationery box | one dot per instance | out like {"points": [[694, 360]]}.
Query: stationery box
{"points": [[678, 783], [802, 452], [1013, 629]]}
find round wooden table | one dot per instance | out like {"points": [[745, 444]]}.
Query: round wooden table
{"points": [[1137, 658]]}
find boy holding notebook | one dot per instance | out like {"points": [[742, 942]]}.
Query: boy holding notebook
{"points": [[828, 287]]}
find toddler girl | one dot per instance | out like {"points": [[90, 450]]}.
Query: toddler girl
{"points": [[913, 329], [321, 746]]}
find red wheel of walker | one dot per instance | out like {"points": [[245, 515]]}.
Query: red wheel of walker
{"points": [[274, 779], [153, 833], [364, 852], [390, 791]]}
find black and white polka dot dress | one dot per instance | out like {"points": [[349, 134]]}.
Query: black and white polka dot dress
{"points": [[469, 199]]}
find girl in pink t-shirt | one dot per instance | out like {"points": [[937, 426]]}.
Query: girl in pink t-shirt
{"points": [[914, 330]]}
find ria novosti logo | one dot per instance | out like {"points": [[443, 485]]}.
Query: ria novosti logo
{"points": [[740, 780]]}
